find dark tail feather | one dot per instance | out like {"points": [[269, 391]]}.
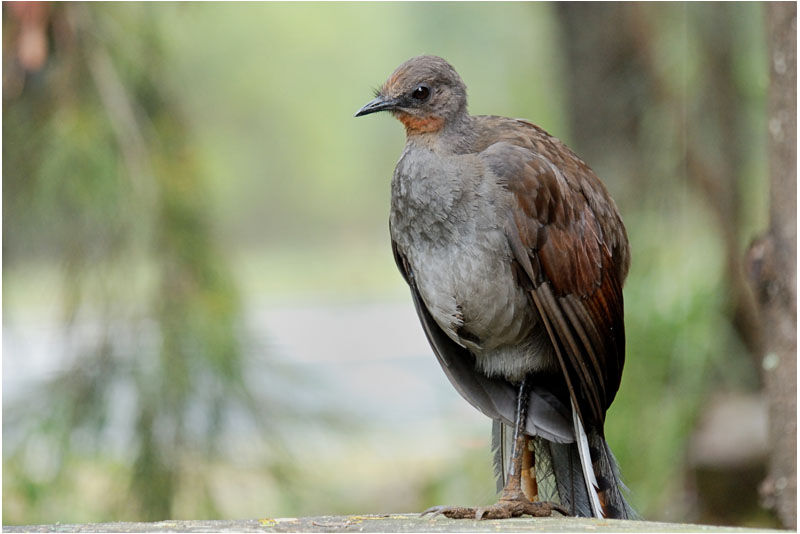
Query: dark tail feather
{"points": [[560, 476], [611, 488]]}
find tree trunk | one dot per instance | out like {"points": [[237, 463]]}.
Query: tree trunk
{"points": [[772, 266]]}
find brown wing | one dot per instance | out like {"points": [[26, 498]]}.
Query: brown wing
{"points": [[568, 238]]}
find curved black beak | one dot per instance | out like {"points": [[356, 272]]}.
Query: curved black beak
{"points": [[379, 103]]}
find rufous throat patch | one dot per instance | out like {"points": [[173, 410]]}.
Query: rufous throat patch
{"points": [[419, 125]]}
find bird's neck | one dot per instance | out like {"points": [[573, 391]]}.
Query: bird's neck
{"points": [[437, 133], [420, 125]]}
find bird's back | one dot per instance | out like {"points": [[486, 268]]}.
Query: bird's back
{"points": [[583, 185]]}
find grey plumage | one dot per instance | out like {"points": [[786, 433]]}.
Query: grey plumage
{"points": [[492, 396]]}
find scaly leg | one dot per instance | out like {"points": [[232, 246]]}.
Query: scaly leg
{"points": [[512, 502]]}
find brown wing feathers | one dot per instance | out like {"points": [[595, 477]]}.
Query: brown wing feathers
{"points": [[562, 244]]}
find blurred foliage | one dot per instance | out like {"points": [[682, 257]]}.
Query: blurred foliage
{"points": [[170, 164], [99, 176]]}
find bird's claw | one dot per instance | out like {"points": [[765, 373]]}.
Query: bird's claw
{"points": [[433, 510], [453, 512]]}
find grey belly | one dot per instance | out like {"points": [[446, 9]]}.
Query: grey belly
{"points": [[473, 296]]}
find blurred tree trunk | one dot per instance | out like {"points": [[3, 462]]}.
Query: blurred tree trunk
{"points": [[773, 269]]}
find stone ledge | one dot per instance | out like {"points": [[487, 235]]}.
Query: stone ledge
{"points": [[385, 523]]}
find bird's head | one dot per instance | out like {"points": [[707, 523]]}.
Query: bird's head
{"points": [[425, 93]]}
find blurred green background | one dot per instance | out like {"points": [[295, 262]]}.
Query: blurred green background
{"points": [[201, 314]]}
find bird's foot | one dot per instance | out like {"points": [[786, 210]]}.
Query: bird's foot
{"points": [[502, 509], [453, 512]]}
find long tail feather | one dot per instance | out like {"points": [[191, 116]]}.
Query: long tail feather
{"points": [[612, 489], [560, 476], [501, 447], [586, 465]]}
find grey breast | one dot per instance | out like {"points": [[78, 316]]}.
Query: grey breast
{"points": [[447, 216]]}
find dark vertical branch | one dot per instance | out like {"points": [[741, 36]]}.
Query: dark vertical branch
{"points": [[773, 269]]}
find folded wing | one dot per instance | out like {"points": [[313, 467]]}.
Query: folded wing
{"points": [[566, 236]]}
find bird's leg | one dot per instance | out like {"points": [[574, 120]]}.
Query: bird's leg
{"points": [[529, 486], [513, 487], [512, 502]]}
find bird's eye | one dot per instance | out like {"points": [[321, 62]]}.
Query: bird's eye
{"points": [[421, 93]]}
